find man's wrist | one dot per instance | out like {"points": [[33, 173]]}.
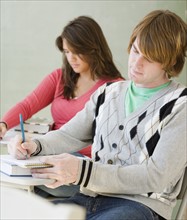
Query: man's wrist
{"points": [[38, 148]]}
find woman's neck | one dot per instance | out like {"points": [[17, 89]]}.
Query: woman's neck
{"points": [[84, 84]]}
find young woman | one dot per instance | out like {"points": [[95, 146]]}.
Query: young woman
{"points": [[87, 64], [139, 146]]}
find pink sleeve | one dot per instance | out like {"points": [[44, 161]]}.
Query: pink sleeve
{"points": [[42, 96]]}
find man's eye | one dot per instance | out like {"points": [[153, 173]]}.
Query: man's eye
{"points": [[134, 50]]}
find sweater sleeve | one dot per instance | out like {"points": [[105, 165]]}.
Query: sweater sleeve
{"points": [[38, 99]]}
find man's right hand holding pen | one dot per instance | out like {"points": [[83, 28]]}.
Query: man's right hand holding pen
{"points": [[20, 150]]}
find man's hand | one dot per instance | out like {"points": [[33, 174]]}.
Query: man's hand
{"points": [[21, 150], [64, 170]]}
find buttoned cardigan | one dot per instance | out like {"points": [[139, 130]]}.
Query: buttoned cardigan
{"points": [[140, 157]]}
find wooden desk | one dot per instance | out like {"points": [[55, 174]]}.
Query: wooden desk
{"points": [[26, 183]]}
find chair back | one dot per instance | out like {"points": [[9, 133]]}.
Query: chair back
{"points": [[184, 186], [182, 210]]}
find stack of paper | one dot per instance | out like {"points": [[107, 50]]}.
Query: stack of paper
{"points": [[36, 125], [14, 170], [14, 167]]}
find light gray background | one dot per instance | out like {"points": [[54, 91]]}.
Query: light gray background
{"points": [[29, 30]]}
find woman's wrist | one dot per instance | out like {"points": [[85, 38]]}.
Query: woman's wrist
{"points": [[4, 123]]}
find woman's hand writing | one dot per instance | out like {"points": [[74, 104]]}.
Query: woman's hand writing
{"points": [[3, 129]]}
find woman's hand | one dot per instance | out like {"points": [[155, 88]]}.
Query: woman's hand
{"points": [[3, 129], [21, 150], [64, 170]]}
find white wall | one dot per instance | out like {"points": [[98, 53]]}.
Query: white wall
{"points": [[29, 30]]}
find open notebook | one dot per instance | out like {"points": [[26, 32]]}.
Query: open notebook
{"points": [[33, 162]]}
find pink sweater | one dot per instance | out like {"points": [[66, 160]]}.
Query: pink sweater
{"points": [[48, 92]]}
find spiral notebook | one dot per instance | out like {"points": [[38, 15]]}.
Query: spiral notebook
{"points": [[33, 162]]}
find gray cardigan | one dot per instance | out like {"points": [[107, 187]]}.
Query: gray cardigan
{"points": [[141, 157]]}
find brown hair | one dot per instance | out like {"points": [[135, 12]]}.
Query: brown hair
{"points": [[162, 38], [85, 37]]}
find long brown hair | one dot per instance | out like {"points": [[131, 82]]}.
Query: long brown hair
{"points": [[85, 37]]}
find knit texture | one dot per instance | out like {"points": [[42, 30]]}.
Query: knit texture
{"points": [[141, 156]]}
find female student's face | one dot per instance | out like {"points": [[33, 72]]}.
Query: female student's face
{"points": [[143, 72], [75, 60]]}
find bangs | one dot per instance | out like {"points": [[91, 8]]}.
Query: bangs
{"points": [[152, 47], [156, 41]]}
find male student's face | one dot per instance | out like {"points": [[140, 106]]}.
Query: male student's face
{"points": [[144, 72]]}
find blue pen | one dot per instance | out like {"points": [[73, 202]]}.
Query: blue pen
{"points": [[22, 130], [22, 127]]}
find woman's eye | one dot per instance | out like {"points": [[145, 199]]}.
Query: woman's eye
{"points": [[66, 51]]}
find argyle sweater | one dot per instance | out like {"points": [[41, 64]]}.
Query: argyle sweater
{"points": [[141, 156]]}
